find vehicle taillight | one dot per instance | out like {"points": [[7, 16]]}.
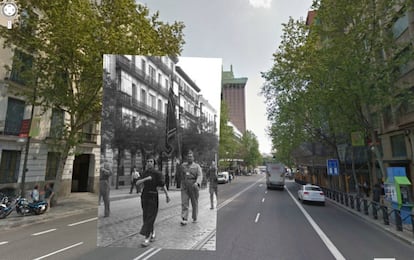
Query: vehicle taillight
{"points": [[306, 193], [321, 193]]}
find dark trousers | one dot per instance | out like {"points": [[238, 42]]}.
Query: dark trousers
{"points": [[104, 194], [133, 184], [149, 204]]}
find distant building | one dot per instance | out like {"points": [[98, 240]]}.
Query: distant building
{"points": [[233, 93]]}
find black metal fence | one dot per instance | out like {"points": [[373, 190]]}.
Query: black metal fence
{"points": [[373, 209]]}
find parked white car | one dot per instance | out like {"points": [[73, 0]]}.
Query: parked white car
{"points": [[309, 192], [223, 177]]}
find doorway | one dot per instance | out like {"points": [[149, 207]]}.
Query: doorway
{"points": [[80, 173]]}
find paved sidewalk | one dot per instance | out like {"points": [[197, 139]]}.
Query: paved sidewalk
{"points": [[75, 203], [121, 229]]}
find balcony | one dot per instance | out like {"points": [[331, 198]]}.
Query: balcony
{"points": [[89, 137], [127, 66], [160, 64], [138, 106]]}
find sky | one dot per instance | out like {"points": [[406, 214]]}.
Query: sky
{"points": [[243, 33]]}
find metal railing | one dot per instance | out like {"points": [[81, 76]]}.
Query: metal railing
{"points": [[373, 209]]}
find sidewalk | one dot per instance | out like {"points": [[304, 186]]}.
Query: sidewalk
{"points": [[75, 203]]}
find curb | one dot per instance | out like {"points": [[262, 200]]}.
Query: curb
{"points": [[387, 228]]}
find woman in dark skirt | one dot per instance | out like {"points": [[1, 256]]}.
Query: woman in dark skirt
{"points": [[152, 179]]}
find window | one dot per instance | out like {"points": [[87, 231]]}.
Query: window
{"points": [[14, 116], [57, 123], [143, 96], [152, 73], [134, 92], [9, 166], [398, 146], [400, 25], [159, 78], [167, 83], [126, 83], [143, 65], [22, 66], [152, 101], [159, 105], [52, 165]]}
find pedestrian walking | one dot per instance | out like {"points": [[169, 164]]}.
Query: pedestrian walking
{"points": [[190, 185], [212, 179], [134, 178], [104, 188], [151, 179]]}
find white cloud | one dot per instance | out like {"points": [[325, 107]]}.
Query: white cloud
{"points": [[260, 3]]}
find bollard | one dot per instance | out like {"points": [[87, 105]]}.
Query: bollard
{"points": [[365, 206], [352, 201], [374, 210], [385, 215], [342, 198], [358, 204], [346, 200], [398, 220]]}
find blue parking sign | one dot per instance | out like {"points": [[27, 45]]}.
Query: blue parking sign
{"points": [[332, 166]]}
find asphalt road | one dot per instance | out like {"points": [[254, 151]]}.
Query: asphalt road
{"points": [[252, 223], [55, 239]]}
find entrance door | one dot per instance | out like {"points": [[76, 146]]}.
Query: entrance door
{"points": [[80, 174]]}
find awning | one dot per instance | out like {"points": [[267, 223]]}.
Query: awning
{"points": [[402, 180]]}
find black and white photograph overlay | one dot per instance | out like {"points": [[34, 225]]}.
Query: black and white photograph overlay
{"points": [[159, 152]]}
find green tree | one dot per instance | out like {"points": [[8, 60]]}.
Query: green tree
{"points": [[67, 40], [228, 143], [335, 76], [249, 149]]}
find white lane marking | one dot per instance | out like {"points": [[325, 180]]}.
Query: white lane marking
{"points": [[4, 242], [334, 251], [58, 251], [257, 218], [263, 200], [236, 195], [153, 253], [261, 185], [83, 221], [144, 254], [265, 191], [384, 258], [44, 232]]}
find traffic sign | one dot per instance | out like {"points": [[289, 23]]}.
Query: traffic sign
{"points": [[332, 166]]}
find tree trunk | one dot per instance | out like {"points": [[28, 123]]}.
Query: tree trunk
{"points": [[58, 181]]}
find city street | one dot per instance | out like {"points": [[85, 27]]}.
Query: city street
{"points": [[122, 228], [252, 223]]}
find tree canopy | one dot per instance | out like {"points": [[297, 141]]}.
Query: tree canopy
{"points": [[67, 40]]}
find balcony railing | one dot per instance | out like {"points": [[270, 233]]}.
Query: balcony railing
{"points": [[125, 64], [139, 106], [160, 64]]}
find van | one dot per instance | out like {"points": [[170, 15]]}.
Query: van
{"points": [[275, 176], [223, 177]]}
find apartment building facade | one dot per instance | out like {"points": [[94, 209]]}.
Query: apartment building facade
{"points": [[26, 136]]}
